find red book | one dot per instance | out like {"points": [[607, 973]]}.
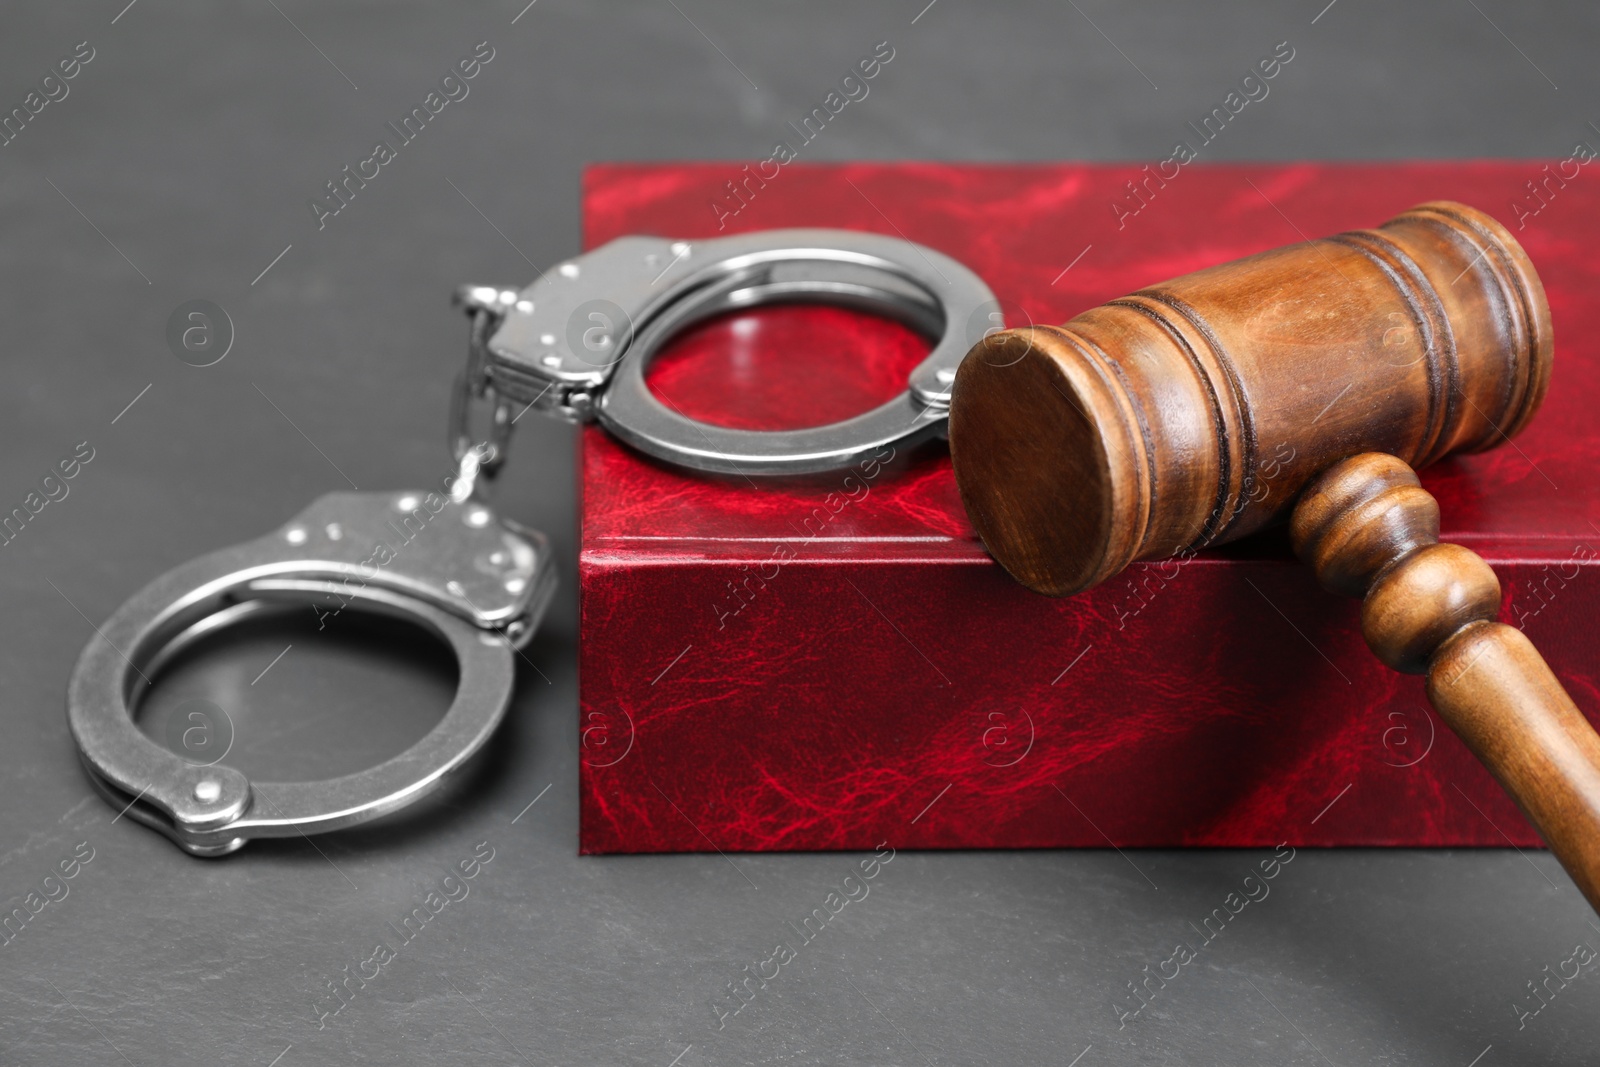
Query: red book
{"points": [[826, 665]]}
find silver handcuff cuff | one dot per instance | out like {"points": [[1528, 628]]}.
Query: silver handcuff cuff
{"points": [[575, 343]]}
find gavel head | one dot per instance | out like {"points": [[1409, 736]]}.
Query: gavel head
{"points": [[1194, 412]]}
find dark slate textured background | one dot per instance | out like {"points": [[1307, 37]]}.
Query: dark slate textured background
{"points": [[179, 166]]}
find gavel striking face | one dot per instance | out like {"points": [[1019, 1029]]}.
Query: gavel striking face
{"points": [[1302, 383]]}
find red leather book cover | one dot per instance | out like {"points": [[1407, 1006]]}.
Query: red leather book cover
{"points": [[832, 663]]}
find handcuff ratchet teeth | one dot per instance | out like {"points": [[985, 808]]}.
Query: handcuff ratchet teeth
{"points": [[575, 343]]}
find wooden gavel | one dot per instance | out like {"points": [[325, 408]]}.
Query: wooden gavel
{"points": [[1304, 382]]}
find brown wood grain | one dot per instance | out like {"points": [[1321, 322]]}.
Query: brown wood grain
{"points": [[1307, 380], [1369, 529], [1195, 411]]}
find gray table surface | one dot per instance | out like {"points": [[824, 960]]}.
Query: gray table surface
{"points": [[180, 165]]}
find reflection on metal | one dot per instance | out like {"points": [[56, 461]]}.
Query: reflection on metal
{"points": [[476, 582], [577, 342]]}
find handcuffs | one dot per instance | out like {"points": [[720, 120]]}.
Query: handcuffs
{"points": [[575, 343]]}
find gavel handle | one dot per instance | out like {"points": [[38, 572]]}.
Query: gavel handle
{"points": [[1369, 529], [1491, 686]]}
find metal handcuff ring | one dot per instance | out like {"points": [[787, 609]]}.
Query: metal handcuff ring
{"points": [[577, 341], [476, 581]]}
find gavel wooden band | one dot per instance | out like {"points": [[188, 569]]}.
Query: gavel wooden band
{"points": [[1195, 411], [1309, 379]]}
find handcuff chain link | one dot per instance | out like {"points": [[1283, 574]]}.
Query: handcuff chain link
{"points": [[485, 308]]}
